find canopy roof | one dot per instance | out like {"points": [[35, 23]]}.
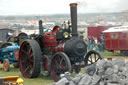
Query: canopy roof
{"points": [[117, 29]]}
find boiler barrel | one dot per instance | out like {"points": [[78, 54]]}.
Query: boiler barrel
{"points": [[75, 47]]}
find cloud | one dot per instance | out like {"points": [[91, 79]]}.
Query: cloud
{"points": [[21, 7]]}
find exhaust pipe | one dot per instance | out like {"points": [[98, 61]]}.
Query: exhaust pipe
{"points": [[40, 27], [73, 8]]}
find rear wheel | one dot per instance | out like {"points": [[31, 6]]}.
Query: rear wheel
{"points": [[92, 57], [6, 65], [60, 64], [29, 59]]}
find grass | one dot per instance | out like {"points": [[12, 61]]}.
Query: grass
{"points": [[46, 80], [108, 54], [36, 81]]}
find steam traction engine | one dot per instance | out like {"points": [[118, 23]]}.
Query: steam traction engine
{"points": [[56, 52]]}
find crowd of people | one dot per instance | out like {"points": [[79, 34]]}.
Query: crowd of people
{"points": [[95, 44]]}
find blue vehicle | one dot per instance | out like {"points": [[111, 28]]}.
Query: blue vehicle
{"points": [[9, 54]]}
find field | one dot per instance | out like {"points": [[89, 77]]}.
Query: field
{"points": [[36, 81], [46, 80]]}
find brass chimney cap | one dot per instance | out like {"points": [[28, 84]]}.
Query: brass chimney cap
{"points": [[73, 4]]}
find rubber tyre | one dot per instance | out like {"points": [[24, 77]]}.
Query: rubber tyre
{"points": [[54, 67], [6, 65], [35, 71]]}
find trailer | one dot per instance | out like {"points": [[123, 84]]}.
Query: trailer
{"points": [[116, 38]]}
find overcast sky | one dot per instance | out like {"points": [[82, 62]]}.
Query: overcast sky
{"points": [[25, 7]]}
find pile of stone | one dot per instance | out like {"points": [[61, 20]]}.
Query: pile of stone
{"points": [[101, 73]]}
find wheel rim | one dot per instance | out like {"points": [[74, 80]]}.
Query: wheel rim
{"points": [[92, 57], [26, 61], [5, 66], [59, 65]]}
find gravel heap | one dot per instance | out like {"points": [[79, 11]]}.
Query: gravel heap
{"points": [[101, 73]]}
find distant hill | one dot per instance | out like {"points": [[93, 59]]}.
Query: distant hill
{"points": [[54, 16]]}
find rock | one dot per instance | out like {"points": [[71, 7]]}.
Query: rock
{"points": [[68, 76], [120, 62], [100, 73], [101, 83], [113, 84], [62, 81], [124, 82], [109, 71], [95, 80], [114, 78], [76, 80], [126, 64], [62, 76], [116, 69], [90, 69], [100, 67], [108, 64], [72, 83], [86, 80]]}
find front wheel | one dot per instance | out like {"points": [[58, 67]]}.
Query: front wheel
{"points": [[60, 64], [92, 57], [6, 65]]}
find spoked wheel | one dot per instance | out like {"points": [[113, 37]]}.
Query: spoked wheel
{"points": [[29, 59], [45, 66], [60, 63], [92, 57], [6, 65]]}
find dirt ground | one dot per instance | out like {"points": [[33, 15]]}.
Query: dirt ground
{"points": [[126, 58]]}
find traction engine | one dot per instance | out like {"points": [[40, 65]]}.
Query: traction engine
{"points": [[56, 52]]}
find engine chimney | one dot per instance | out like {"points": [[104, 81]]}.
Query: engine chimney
{"points": [[40, 27], [73, 8]]}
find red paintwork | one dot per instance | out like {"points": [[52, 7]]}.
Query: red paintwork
{"points": [[96, 31], [16, 53], [55, 29], [46, 63], [49, 41], [118, 43], [60, 47]]}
